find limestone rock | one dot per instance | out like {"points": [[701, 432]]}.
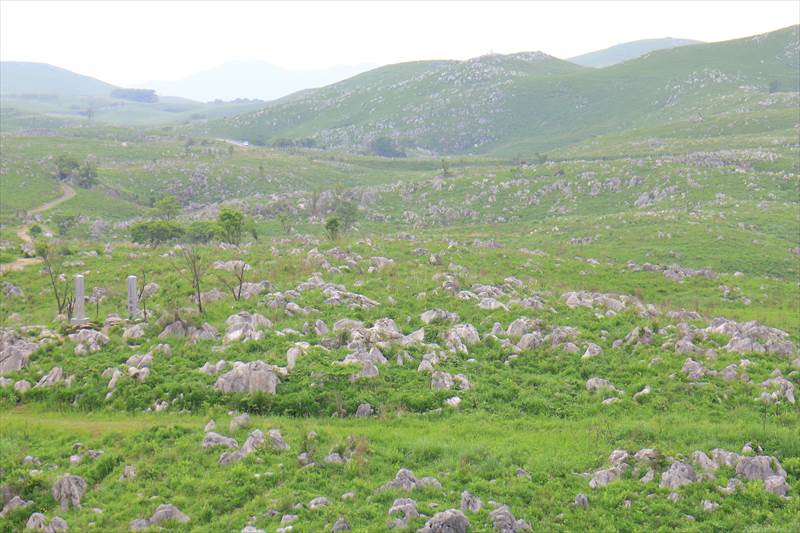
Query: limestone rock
{"points": [[470, 503], [449, 521], [679, 474], [15, 351], [88, 341], [164, 513], [54, 377], [504, 521], [406, 481], [249, 377], [68, 490], [136, 331], [276, 440], [340, 525], [364, 410], [776, 485], [14, 503], [406, 508], [214, 439], [238, 422]]}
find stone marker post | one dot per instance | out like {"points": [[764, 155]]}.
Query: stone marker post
{"points": [[79, 314], [133, 297]]}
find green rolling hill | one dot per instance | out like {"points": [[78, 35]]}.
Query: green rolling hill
{"points": [[37, 96], [626, 51], [525, 103], [19, 78]]}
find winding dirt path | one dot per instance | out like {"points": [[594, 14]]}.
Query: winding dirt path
{"points": [[67, 193]]}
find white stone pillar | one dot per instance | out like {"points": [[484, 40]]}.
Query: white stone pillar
{"points": [[78, 312], [133, 297]]}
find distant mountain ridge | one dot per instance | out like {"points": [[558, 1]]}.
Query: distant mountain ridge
{"points": [[38, 93], [29, 78], [626, 51], [252, 79]]}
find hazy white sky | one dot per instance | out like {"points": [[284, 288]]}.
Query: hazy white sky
{"points": [[129, 42]]}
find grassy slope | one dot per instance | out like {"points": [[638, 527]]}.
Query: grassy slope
{"points": [[493, 104], [533, 413], [464, 452]]}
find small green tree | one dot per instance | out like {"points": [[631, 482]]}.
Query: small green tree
{"points": [[347, 213], [231, 224], [168, 207], [155, 232], [35, 231], [385, 147], [445, 168], [285, 220], [64, 223], [87, 175], [66, 166], [332, 227], [252, 229], [202, 231]]}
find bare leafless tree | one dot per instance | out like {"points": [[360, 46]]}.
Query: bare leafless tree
{"points": [[238, 276], [143, 296], [61, 286], [196, 267]]}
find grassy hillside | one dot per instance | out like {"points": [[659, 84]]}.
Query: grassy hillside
{"points": [[36, 98], [626, 51], [524, 102], [619, 277], [21, 78]]}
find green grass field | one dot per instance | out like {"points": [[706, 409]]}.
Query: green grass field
{"points": [[667, 218]]}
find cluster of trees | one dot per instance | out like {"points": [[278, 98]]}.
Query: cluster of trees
{"points": [[230, 227], [82, 174], [306, 142], [343, 219], [147, 96], [386, 147]]}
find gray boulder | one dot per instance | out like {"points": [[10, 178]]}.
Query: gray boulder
{"points": [[238, 422], [88, 341], [340, 525], [364, 410], [678, 475], [776, 485], [15, 351], [406, 508], [248, 377], [68, 490], [276, 440], [14, 503], [449, 521], [254, 441], [758, 467], [164, 513], [214, 439], [470, 503]]}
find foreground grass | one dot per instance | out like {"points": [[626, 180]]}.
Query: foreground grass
{"points": [[475, 452]]}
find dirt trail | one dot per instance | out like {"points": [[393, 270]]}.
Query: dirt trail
{"points": [[67, 192]]}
